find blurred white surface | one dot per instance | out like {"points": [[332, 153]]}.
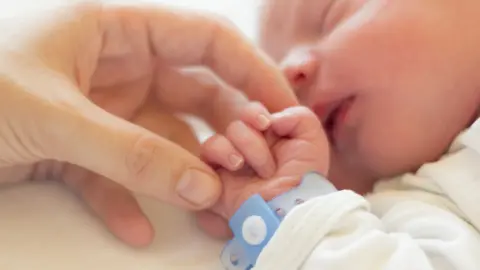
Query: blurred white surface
{"points": [[241, 12], [45, 227]]}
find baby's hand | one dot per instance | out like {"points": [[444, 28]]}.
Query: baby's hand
{"points": [[264, 154]]}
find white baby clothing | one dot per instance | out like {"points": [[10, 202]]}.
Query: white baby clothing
{"points": [[423, 221]]}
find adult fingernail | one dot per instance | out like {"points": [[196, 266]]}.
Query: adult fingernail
{"points": [[236, 161], [263, 121], [196, 187]]}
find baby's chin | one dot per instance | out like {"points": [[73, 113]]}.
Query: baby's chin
{"points": [[348, 177], [360, 172]]}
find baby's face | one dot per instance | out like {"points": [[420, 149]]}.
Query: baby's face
{"points": [[394, 81]]}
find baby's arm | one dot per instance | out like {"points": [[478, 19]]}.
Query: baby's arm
{"points": [[397, 229]]}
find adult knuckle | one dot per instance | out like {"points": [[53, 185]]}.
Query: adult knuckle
{"points": [[220, 31], [140, 157], [220, 22]]}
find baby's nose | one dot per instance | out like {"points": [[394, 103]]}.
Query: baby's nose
{"points": [[300, 68]]}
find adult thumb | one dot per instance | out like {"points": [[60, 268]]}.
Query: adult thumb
{"points": [[43, 115], [132, 156]]}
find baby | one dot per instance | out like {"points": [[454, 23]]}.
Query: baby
{"points": [[396, 87]]}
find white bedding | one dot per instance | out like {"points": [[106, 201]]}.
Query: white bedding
{"points": [[43, 226]]}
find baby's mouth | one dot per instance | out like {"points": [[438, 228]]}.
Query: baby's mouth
{"points": [[333, 117]]}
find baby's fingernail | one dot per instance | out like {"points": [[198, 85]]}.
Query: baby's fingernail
{"points": [[197, 187], [263, 121], [235, 160]]}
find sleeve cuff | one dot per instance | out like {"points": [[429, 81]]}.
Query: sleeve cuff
{"points": [[256, 221], [303, 228]]}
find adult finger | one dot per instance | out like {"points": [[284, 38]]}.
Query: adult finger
{"points": [[201, 93], [213, 224], [113, 204], [191, 39], [137, 159], [61, 124]]}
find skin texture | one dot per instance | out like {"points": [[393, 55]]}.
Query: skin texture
{"points": [[273, 156], [404, 74], [408, 70], [87, 89]]}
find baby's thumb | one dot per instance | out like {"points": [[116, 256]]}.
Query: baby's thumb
{"points": [[132, 156], [308, 141]]}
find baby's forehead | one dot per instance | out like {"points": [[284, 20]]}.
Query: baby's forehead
{"points": [[285, 21]]}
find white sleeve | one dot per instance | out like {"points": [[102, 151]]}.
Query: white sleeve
{"points": [[338, 231]]}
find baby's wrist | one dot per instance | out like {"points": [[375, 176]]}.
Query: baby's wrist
{"points": [[269, 191], [256, 221]]}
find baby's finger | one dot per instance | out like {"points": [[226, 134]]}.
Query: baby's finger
{"points": [[299, 123], [308, 145], [218, 150], [256, 115], [253, 147]]}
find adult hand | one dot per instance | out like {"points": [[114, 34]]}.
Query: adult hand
{"points": [[72, 75]]}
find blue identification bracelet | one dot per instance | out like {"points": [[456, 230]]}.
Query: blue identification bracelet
{"points": [[256, 221]]}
